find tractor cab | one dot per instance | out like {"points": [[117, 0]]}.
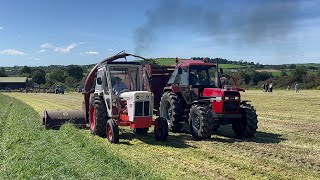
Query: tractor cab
{"points": [[191, 78]]}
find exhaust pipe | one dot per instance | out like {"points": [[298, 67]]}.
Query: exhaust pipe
{"points": [[55, 119]]}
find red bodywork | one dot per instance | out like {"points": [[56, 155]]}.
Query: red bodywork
{"points": [[219, 104], [187, 63], [139, 122]]}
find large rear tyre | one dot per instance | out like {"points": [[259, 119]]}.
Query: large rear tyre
{"points": [[113, 131], [171, 108], [161, 129], [141, 131], [98, 117], [201, 121], [248, 125]]}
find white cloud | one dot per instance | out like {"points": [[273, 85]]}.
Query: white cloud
{"points": [[46, 45], [92, 53], [34, 59], [42, 50], [1, 28], [110, 49], [65, 49], [57, 48], [12, 52]]}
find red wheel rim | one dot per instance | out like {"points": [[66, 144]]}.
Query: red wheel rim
{"points": [[92, 118], [109, 132]]}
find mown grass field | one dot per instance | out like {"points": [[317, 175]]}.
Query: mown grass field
{"points": [[286, 146]]}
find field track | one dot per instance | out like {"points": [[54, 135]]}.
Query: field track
{"points": [[286, 146]]}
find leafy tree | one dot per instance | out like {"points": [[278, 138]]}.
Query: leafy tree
{"points": [[292, 66], [75, 72], [56, 75], [283, 73], [242, 77], [299, 73], [26, 71], [312, 68], [3, 72], [39, 76], [70, 81]]}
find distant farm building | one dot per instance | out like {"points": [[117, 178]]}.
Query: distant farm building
{"points": [[15, 83]]}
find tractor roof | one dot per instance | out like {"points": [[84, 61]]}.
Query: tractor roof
{"points": [[13, 79], [186, 63], [124, 62]]}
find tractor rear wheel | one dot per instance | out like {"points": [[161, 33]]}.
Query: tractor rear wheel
{"points": [[201, 121], [112, 131], [161, 129], [171, 108], [248, 125], [98, 117], [141, 131]]}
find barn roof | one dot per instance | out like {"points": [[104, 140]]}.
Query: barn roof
{"points": [[13, 79]]}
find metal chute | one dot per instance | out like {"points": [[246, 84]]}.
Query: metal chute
{"points": [[55, 119]]}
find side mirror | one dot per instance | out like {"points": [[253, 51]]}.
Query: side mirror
{"points": [[221, 71], [179, 71]]}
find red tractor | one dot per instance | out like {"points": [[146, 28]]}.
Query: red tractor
{"points": [[195, 94]]}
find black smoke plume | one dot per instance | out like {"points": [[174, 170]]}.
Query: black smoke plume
{"points": [[221, 21]]}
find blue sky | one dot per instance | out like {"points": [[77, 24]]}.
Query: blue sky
{"points": [[44, 32]]}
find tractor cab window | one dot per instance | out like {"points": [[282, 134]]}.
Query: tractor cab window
{"points": [[124, 78], [184, 77], [202, 75], [173, 77], [181, 79]]}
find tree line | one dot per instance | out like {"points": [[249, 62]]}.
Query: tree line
{"points": [[70, 76], [302, 75], [290, 74]]}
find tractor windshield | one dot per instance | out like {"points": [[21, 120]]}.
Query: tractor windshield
{"points": [[124, 78], [202, 75]]}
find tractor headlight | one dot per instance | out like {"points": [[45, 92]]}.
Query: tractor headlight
{"points": [[237, 98], [226, 98], [219, 98], [138, 97], [147, 96]]}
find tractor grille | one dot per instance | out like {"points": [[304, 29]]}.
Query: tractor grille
{"points": [[230, 106], [142, 108], [231, 93]]}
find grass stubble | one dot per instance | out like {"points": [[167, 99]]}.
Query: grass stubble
{"points": [[286, 146]]}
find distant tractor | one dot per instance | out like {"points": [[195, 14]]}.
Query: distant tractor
{"points": [[59, 89], [195, 95]]}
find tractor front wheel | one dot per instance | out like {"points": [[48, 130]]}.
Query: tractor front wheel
{"points": [[201, 121], [161, 129], [98, 117], [171, 108], [248, 125], [112, 131]]}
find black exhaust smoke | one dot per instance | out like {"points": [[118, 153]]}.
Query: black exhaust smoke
{"points": [[250, 22]]}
